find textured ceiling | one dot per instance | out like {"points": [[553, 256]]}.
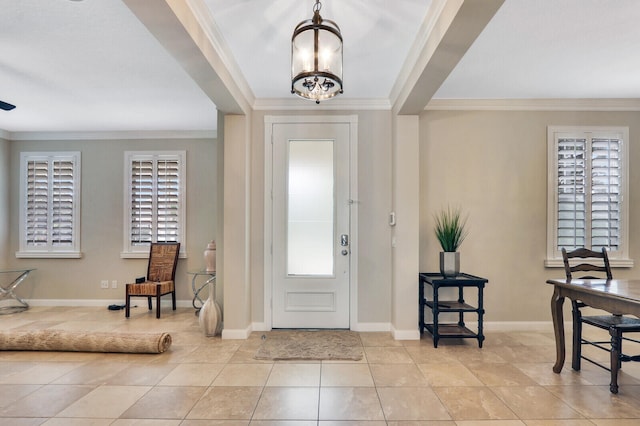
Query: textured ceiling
{"points": [[93, 66], [553, 49], [377, 36]]}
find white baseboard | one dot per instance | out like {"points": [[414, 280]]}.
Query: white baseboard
{"points": [[405, 334], [238, 334], [372, 326], [103, 302], [259, 326], [498, 326], [519, 326]]}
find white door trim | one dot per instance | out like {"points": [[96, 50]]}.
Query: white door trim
{"points": [[269, 120]]}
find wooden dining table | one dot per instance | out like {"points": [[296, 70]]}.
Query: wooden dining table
{"points": [[615, 296]]}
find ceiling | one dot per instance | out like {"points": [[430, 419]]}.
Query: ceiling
{"points": [[93, 66]]}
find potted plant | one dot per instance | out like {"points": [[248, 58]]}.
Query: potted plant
{"points": [[450, 231]]}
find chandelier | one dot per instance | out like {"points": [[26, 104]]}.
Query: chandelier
{"points": [[316, 58]]}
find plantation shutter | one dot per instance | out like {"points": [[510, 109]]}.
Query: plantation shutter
{"points": [[589, 188], [168, 211], [142, 189], [50, 197], [571, 193], [62, 194], [156, 200], [606, 174], [37, 204]]}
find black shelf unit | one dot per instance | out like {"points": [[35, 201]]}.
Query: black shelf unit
{"points": [[450, 330]]}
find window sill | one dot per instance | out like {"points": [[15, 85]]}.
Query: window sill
{"points": [[49, 254], [615, 263]]}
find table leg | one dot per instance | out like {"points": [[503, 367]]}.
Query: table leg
{"points": [[196, 292], [558, 328], [461, 301], [436, 314], [421, 306], [616, 341], [6, 293], [480, 314]]}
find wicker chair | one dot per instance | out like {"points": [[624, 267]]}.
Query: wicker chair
{"points": [[616, 325], [161, 272]]}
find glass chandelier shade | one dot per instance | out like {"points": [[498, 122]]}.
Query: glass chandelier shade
{"points": [[316, 58]]}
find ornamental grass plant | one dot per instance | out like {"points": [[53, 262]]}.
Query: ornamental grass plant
{"points": [[450, 228]]}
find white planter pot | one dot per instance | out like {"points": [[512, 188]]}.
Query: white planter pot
{"points": [[449, 263]]}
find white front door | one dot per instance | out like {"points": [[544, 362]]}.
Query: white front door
{"points": [[310, 224]]}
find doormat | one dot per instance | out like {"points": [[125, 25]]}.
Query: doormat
{"points": [[310, 345]]}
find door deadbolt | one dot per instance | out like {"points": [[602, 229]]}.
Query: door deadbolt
{"points": [[345, 252]]}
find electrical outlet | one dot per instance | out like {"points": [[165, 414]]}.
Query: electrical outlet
{"points": [[104, 284], [114, 283]]}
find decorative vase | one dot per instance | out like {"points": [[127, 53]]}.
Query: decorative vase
{"points": [[449, 263], [210, 315], [210, 257]]}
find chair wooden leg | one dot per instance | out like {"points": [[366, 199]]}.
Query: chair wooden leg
{"points": [[158, 301], [616, 338], [127, 302], [149, 302], [173, 299], [576, 353]]}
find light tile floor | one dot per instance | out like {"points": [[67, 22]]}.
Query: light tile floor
{"points": [[209, 381]]}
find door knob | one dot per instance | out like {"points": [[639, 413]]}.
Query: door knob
{"points": [[344, 240], [345, 252]]}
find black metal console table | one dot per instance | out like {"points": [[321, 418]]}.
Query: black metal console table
{"points": [[450, 330]]}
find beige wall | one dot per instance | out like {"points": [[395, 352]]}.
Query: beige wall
{"points": [[494, 165], [4, 203], [102, 219], [491, 163], [374, 205], [405, 238]]}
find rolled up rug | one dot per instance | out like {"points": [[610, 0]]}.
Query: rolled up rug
{"points": [[84, 341]]}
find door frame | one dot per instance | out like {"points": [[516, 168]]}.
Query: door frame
{"points": [[269, 121]]}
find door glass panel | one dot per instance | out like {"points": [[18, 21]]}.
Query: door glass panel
{"points": [[310, 208]]}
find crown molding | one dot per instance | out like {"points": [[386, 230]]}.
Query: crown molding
{"points": [[208, 25], [631, 104], [110, 135], [418, 53], [335, 104]]}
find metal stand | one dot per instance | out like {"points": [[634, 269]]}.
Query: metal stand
{"points": [[7, 292], [197, 301]]}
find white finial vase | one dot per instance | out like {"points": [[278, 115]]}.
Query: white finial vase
{"points": [[210, 315], [210, 257]]}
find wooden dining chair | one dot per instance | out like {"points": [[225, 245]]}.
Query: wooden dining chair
{"points": [[617, 325], [160, 279]]}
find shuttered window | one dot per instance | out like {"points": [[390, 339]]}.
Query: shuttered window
{"points": [[155, 199], [587, 178], [50, 200]]}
